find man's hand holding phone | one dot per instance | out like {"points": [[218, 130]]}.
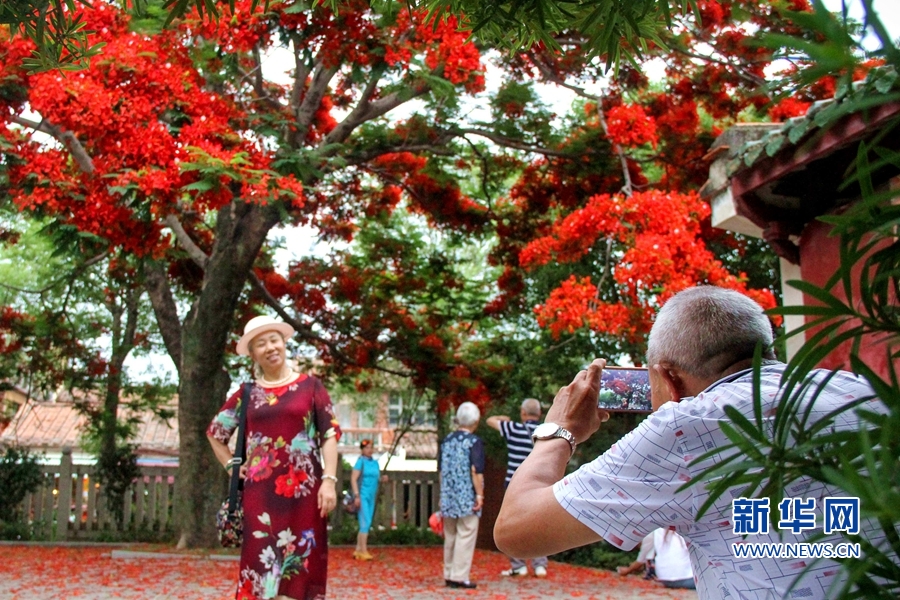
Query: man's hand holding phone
{"points": [[575, 406]]}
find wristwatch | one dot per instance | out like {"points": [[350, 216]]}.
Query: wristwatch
{"points": [[547, 431]]}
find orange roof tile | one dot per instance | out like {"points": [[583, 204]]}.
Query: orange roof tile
{"points": [[54, 425]]}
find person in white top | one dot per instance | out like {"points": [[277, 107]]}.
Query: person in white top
{"points": [[700, 353], [664, 555], [672, 561]]}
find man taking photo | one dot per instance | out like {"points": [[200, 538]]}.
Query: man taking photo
{"points": [[700, 354]]}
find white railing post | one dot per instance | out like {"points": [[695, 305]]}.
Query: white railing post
{"points": [[64, 495]]}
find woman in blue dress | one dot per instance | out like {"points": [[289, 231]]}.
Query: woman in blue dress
{"points": [[364, 482]]}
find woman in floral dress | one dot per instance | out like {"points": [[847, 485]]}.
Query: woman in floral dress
{"points": [[287, 492]]}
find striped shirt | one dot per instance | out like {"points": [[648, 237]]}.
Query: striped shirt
{"points": [[518, 443]]}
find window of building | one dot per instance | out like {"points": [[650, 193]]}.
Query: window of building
{"points": [[402, 403]]}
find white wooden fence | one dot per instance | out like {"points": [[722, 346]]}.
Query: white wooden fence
{"points": [[72, 496]]}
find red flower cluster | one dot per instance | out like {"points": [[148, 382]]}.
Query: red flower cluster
{"points": [[141, 116], [448, 51], [237, 30], [11, 322], [629, 125], [661, 252], [788, 108], [441, 201]]}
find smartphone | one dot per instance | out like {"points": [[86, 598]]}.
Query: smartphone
{"points": [[625, 389]]}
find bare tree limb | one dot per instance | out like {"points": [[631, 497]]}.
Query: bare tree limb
{"points": [[366, 111], [358, 115], [157, 284], [184, 239], [258, 81], [301, 72], [321, 77], [365, 157], [507, 142]]}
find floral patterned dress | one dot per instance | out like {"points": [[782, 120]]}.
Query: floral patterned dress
{"points": [[285, 549]]}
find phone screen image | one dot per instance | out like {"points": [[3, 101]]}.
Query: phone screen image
{"points": [[625, 389]]}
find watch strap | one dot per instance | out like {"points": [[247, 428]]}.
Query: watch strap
{"points": [[561, 432]]}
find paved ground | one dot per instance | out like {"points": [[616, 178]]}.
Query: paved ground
{"points": [[33, 572]]}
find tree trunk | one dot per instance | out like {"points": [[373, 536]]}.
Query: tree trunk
{"points": [[201, 483]]}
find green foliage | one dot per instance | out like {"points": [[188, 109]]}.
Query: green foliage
{"points": [[20, 475], [601, 555], [116, 471], [403, 535], [518, 113], [57, 31], [614, 30], [16, 531]]}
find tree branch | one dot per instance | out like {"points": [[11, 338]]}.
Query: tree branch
{"points": [[305, 331], [184, 239], [157, 284], [366, 110], [69, 277], [548, 73], [300, 75], [322, 76], [737, 67], [364, 157], [66, 138], [506, 142], [259, 83]]}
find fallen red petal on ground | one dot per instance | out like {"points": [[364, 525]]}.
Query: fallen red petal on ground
{"points": [[39, 572]]}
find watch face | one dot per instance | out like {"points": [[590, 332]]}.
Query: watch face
{"points": [[545, 430]]}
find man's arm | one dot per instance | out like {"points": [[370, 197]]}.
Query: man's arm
{"points": [[531, 522], [495, 421]]}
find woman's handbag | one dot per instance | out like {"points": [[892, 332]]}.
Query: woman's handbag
{"points": [[349, 504], [436, 523], [230, 518]]}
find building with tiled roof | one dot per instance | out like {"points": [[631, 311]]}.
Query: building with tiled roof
{"points": [[48, 427], [774, 181]]}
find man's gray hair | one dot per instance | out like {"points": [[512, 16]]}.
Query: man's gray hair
{"points": [[467, 414], [706, 329], [531, 407]]}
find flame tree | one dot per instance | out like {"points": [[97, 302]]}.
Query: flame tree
{"points": [[175, 149]]}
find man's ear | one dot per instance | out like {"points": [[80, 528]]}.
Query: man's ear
{"points": [[671, 380]]}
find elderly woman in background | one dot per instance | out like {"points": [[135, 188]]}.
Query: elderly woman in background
{"points": [[288, 493], [364, 483], [461, 466]]}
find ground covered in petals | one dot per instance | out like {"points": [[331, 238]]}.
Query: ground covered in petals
{"points": [[41, 572]]}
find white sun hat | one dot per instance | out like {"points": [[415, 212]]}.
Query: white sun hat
{"points": [[259, 325]]}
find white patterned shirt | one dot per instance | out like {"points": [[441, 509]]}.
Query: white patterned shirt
{"points": [[633, 488]]}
